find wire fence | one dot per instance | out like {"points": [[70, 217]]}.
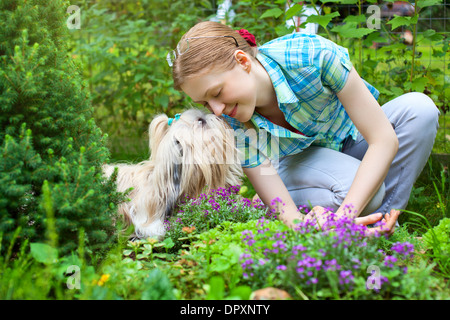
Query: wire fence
{"points": [[436, 17]]}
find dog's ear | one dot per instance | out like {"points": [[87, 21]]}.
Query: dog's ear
{"points": [[167, 175], [156, 131], [174, 190]]}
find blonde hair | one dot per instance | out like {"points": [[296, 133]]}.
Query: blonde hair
{"points": [[214, 48]]}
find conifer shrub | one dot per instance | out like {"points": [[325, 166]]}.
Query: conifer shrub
{"points": [[48, 135]]}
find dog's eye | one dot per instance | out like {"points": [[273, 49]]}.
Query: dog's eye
{"points": [[179, 146], [201, 121]]}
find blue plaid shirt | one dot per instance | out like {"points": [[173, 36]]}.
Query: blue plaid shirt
{"points": [[306, 72]]}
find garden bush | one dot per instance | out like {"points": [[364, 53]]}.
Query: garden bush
{"points": [[223, 205], [338, 263], [51, 148], [437, 240]]}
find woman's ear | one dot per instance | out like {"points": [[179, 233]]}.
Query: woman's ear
{"points": [[243, 59]]}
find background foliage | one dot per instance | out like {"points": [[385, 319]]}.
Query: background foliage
{"points": [[56, 210], [123, 48]]}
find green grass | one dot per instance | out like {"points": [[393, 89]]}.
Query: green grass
{"points": [[207, 266], [442, 142]]}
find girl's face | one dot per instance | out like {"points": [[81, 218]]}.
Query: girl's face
{"points": [[231, 92]]}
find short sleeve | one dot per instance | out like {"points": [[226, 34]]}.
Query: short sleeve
{"points": [[335, 66]]}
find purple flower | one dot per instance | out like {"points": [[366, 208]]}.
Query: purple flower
{"points": [[279, 245], [389, 261], [298, 248], [249, 237], [276, 201], [357, 263], [263, 261], [345, 277], [214, 205], [309, 262], [331, 265], [404, 250], [246, 202], [258, 204], [303, 209], [281, 267], [247, 261]]}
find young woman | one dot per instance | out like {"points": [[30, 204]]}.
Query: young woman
{"points": [[320, 138]]}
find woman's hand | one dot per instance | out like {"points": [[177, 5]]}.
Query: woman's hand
{"points": [[387, 226], [388, 222]]}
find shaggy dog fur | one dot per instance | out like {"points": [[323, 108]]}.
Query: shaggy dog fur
{"points": [[195, 154]]}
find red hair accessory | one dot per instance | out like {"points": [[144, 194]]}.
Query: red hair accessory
{"points": [[248, 37]]}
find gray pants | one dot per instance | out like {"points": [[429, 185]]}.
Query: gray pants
{"points": [[321, 176]]}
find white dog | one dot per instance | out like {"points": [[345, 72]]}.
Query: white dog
{"points": [[193, 153]]}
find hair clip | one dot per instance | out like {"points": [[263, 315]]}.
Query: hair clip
{"points": [[177, 116]]}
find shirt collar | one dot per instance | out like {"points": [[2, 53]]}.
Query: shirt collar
{"points": [[282, 88]]}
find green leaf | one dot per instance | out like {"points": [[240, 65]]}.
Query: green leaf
{"points": [[397, 91], [374, 37], [162, 101], [293, 11], [395, 47], [274, 12], [168, 243], [241, 292], [157, 286], [385, 91], [43, 253], [220, 264], [349, 30], [322, 20], [141, 256], [127, 252], [233, 252], [431, 35], [392, 92], [419, 84], [282, 30], [441, 53], [139, 76], [216, 289], [426, 3], [399, 21], [355, 19]]}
